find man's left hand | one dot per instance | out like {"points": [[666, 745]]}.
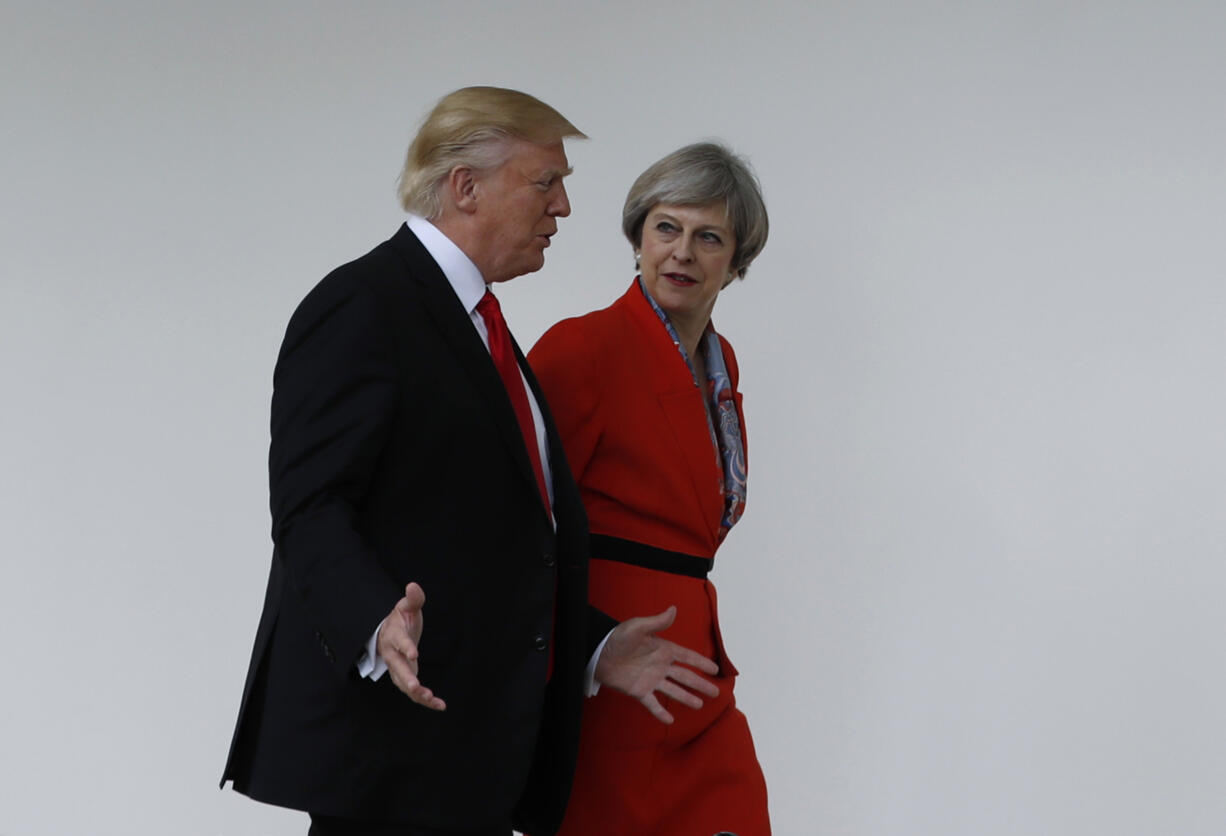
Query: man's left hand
{"points": [[639, 663]]}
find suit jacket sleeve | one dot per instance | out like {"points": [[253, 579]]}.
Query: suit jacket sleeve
{"points": [[334, 395]]}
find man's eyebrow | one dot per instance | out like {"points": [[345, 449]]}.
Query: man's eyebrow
{"points": [[560, 172]]}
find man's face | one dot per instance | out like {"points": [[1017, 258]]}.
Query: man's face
{"points": [[519, 204]]}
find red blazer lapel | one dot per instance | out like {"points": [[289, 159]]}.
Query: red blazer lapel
{"points": [[681, 402]]}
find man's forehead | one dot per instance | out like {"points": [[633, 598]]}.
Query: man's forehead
{"points": [[541, 159]]}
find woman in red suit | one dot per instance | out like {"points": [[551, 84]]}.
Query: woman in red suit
{"points": [[645, 396]]}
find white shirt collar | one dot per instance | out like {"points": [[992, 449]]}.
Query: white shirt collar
{"points": [[463, 276]]}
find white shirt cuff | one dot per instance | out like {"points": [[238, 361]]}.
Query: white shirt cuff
{"points": [[590, 685], [371, 665]]}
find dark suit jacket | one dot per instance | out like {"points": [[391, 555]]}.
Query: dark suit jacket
{"points": [[396, 457]]}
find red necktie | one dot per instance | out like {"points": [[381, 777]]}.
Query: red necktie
{"points": [[503, 356]]}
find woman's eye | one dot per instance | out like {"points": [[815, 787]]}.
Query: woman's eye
{"points": [[665, 226], [711, 237]]}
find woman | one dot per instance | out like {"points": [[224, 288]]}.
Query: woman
{"points": [[644, 395]]}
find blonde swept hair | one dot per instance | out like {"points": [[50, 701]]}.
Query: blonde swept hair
{"points": [[473, 127]]}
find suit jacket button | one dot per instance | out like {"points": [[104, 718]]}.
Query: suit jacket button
{"points": [[324, 644], [539, 643], [549, 559]]}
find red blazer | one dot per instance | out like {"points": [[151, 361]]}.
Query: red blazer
{"points": [[633, 425]]}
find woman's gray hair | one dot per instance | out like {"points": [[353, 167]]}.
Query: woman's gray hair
{"points": [[699, 175]]}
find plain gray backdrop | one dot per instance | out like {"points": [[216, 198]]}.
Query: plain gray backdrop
{"points": [[978, 586]]}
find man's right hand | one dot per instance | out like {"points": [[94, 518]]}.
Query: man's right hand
{"points": [[397, 646]]}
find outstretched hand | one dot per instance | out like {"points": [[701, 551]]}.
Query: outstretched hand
{"points": [[639, 663], [397, 646]]}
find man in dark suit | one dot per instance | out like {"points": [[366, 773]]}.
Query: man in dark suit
{"points": [[412, 453]]}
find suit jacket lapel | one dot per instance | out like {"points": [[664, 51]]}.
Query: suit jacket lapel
{"points": [[458, 331], [559, 469]]}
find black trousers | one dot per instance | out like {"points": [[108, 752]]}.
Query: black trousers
{"points": [[332, 826]]}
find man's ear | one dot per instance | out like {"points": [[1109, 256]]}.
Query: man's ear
{"points": [[463, 186]]}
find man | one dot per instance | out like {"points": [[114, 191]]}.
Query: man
{"points": [[412, 454]]}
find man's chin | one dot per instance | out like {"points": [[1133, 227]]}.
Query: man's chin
{"points": [[521, 270], [533, 265]]}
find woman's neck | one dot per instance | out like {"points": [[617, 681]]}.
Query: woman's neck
{"points": [[690, 329]]}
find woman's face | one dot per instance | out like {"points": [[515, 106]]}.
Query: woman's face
{"points": [[685, 259]]}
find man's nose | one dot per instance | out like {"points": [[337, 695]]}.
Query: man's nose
{"points": [[560, 207]]}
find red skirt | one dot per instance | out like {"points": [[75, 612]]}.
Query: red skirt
{"points": [[638, 776]]}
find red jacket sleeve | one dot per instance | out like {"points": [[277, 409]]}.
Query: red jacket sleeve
{"points": [[566, 369]]}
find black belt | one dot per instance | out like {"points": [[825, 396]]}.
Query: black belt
{"points": [[649, 557]]}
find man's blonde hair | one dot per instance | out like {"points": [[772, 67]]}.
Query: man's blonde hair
{"points": [[473, 127]]}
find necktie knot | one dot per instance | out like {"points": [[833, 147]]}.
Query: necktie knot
{"points": [[488, 306]]}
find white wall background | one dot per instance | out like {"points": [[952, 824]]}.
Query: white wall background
{"points": [[978, 588]]}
